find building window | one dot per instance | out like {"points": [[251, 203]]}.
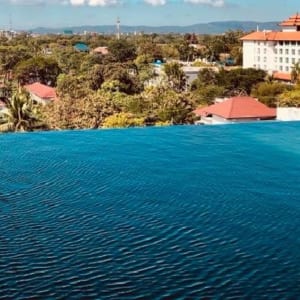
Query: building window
{"points": [[293, 43], [287, 69], [280, 59], [280, 51], [275, 51], [293, 60], [258, 58], [265, 59], [258, 50], [298, 43], [265, 50], [299, 52], [293, 51], [287, 43], [281, 43], [280, 68], [286, 51], [287, 60], [258, 43], [275, 59]]}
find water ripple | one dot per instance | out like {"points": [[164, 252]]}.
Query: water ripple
{"points": [[168, 213]]}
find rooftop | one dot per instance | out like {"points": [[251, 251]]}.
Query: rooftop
{"points": [[282, 76], [291, 21], [41, 90], [272, 36], [241, 107]]}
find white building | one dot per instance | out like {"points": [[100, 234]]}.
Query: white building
{"points": [[274, 51]]}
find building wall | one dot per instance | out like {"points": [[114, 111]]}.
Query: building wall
{"points": [[249, 54], [288, 113], [271, 56], [39, 100], [217, 120]]}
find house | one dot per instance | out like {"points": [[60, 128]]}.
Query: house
{"points": [[81, 47], [101, 50], [274, 51], [191, 73], [234, 110], [41, 93]]}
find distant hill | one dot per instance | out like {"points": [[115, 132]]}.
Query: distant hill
{"points": [[201, 28]]}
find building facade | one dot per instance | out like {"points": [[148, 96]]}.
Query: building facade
{"points": [[276, 52]]}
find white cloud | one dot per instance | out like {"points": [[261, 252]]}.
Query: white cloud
{"points": [[155, 2], [94, 2], [214, 3]]}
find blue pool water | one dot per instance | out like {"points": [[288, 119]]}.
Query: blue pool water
{"points": [[160, 213]]}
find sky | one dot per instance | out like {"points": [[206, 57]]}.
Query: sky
{"points": [[28, 14]]}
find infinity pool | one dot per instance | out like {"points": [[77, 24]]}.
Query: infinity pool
{"points": [[161, 213]]}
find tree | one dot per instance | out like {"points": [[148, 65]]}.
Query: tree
{"points": [[186, 52], [269, 92], [123, 120], [42, 69], [121, 51], [206, 76], [290, 98], [175, 76], [144, 68], [95, 77], [206, 94], [124, 75], [10, 56], [88, 111], [240, 80], [75, 86], [162, 104], [21, 114]]}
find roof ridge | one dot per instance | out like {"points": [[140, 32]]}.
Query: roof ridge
{"points": [[231, 106]]}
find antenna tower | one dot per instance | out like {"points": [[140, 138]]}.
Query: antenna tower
{"points": [[118, 28]]}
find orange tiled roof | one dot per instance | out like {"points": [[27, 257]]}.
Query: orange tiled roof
{"points": [[41, 90], [240, 107], [282, 76], [272, 36], [291, 21]]}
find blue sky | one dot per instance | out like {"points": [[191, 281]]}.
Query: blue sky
{"points": [[26, 14]]}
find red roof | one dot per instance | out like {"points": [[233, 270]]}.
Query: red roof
{"points": [[282, 76], [272, 36], [292, 21], [41, 90], [238, 108]]}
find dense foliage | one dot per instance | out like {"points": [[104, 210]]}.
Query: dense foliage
{"points": [[123, 87]]}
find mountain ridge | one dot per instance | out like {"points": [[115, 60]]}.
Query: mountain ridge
{"points": [[216, 27]]}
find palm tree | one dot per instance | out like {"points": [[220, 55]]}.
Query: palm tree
{"points": [[20, 115]]}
